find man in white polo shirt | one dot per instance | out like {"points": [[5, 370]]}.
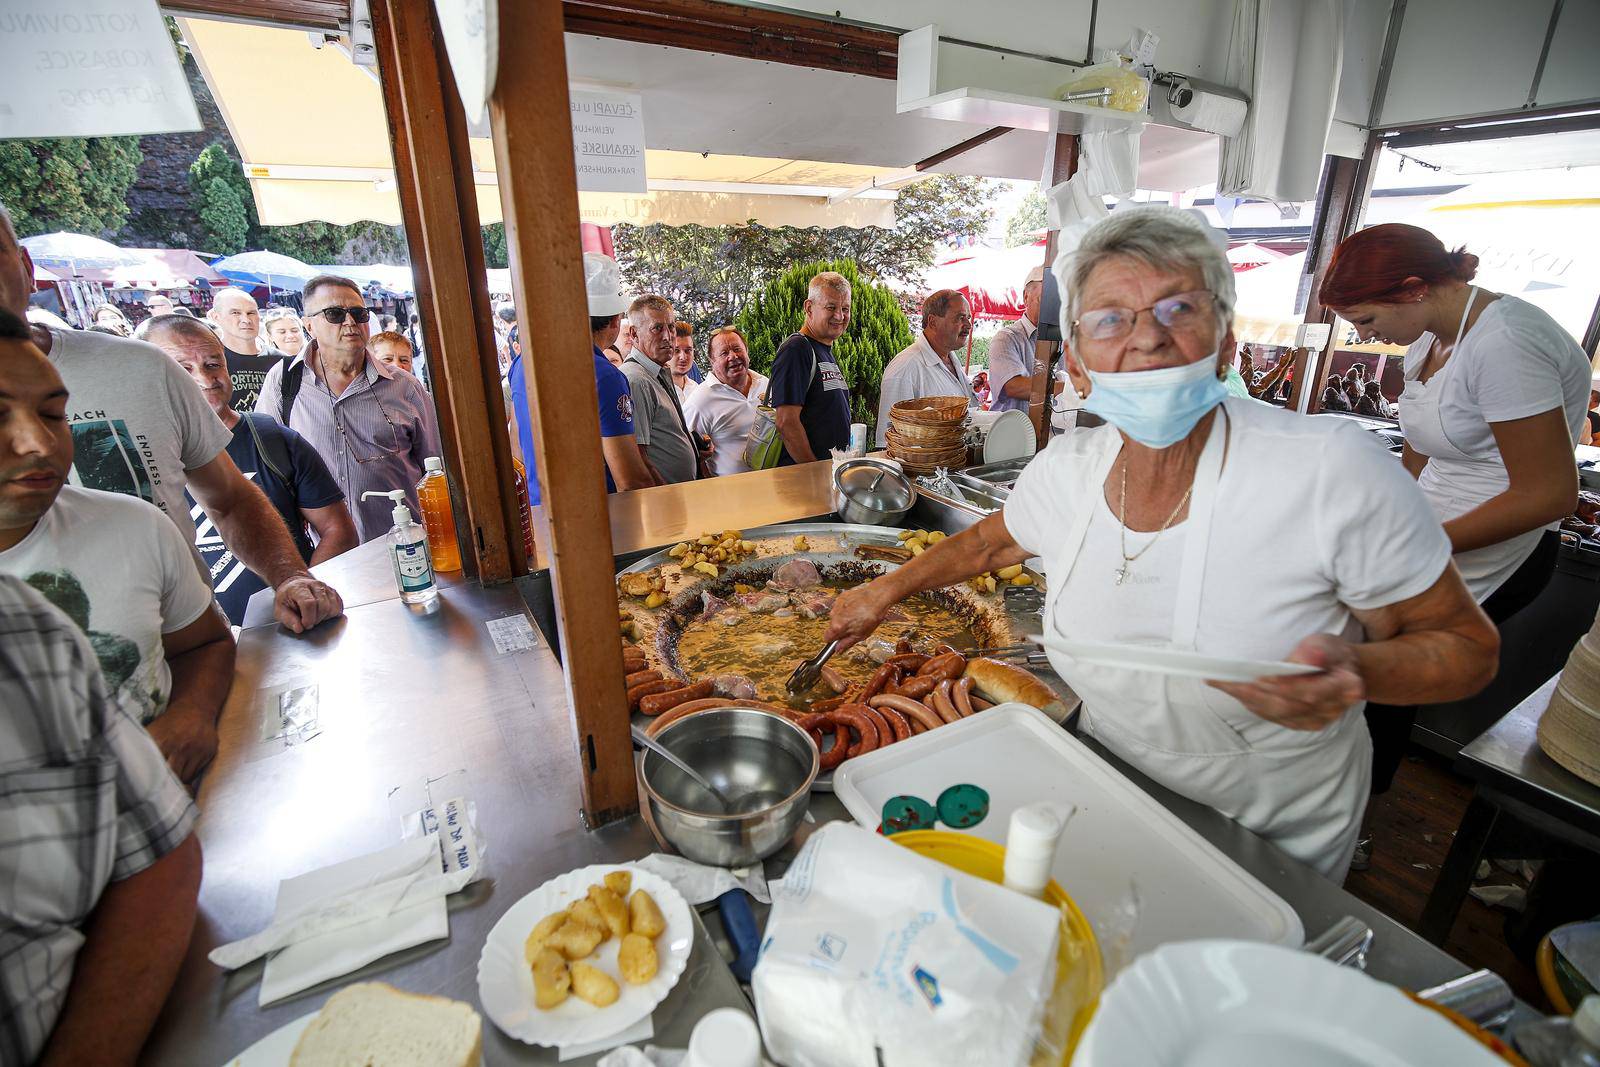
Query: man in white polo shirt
{"points": [[724, 406], [927, 368]]}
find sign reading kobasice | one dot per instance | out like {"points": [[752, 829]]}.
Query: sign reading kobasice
{"points": [[90, 68], [608, 141]]}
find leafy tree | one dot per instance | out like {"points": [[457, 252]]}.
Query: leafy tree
{"points": [[495, 256], [878, 328], [1025, 222], [223, 222], [74, 183]]}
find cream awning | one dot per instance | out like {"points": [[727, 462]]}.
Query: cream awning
{"points": [[310, 126]]}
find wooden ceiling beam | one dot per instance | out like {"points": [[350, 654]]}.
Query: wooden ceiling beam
{"points": [[329, 16]]}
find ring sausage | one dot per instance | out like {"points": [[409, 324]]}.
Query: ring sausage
{"points": [[656, 703], [899, 725], [961, 697], [941, 702], [902, 647], [823, 706], [980, 704], [853, 716], [827, 761], [944, 649], [682, 711], [833, 679], [641, 676], [875, 684], [911, 661], [886, 735], [644, 689], [916, 688], [792, 714], [913, 710], [938, 664]]}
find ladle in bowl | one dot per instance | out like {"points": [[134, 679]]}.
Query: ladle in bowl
{"points": [[677, 761]]}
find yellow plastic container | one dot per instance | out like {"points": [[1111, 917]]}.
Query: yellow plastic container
{"points": [[1079, 976]]}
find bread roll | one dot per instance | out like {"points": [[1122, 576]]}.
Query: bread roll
{"points": [[1003, 683], [371, 1022]]}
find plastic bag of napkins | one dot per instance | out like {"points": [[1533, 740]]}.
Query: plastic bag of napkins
{"points": [[871, 947]]}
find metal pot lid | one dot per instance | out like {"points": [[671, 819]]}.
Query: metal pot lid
{"points": [[873, 484]]}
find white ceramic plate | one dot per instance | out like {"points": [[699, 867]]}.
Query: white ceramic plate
{"points": [[1011, 437], [505, 982], [1172, 661], [1226, 1003], [275, 1049]]}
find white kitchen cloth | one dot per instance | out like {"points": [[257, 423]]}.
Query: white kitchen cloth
{"points": [[642, 1030], [305, 963], [699, 883]]}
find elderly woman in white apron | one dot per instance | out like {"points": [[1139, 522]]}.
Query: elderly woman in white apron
{"points": [[1226, 527], [1496, 394]]}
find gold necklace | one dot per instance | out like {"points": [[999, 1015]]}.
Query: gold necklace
{"points": [[1122, 524]]}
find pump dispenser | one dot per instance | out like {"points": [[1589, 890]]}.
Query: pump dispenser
{"points": [[408, 548]]}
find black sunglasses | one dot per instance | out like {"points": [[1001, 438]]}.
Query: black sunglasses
{"points": [[336, 314]]}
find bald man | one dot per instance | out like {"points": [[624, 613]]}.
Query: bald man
{"points": [[238, 320]]}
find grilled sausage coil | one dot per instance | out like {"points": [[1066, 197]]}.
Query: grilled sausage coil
{"points": [[656, 703]]}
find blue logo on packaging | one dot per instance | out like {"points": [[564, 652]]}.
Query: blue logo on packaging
{"points": [[928, 984], [831, 947]]}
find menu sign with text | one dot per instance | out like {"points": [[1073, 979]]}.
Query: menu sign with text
{"points": [[608, 141], [90, 68]]}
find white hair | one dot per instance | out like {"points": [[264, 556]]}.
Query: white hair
{"points": [[832, 281], [1166, 239]]}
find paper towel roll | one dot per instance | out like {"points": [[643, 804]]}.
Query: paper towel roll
{"points": [[1213, 113]]}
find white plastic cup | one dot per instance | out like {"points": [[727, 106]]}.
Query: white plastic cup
{"points": [[1031, 840], [726, 1037]]}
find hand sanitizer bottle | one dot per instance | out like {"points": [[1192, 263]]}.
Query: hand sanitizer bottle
{"points": [[408, 547]]}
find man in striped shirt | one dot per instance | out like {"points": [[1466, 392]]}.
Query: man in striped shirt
{"points": [[373, 425]]}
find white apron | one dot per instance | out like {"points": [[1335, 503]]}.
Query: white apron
{"points": [[1305, 792], [1454, 481]]}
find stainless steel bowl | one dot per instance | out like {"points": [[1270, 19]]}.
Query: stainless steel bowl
{"points": [[762, 763], [871, 492]]}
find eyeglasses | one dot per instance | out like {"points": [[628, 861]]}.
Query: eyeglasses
{"points": [[1182, 311], [384, 443], [336, 314]]}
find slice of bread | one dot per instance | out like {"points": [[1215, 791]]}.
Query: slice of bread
{"points": [[371, 1024]]}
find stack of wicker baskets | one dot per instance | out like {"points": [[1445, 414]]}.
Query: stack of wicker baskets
{"points": [[1569, 731], [929, 432]]}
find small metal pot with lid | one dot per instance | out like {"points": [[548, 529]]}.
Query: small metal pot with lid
{"points": [[872, 492]]}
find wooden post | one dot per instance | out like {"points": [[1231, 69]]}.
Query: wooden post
{"points": [[1064, 166], [433, 168], [532, 123]]}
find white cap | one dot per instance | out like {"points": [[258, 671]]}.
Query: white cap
{"points": [[603, 280], [1586, 1020], [726, 1037], [1035, 275], [433, 463]]}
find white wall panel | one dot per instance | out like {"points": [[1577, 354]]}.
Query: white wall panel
{"points": [[1571, 73], [1459, 58]]}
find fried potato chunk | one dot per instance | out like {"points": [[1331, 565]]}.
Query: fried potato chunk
{"points": [[612, 909], [619, 882], [575, 940], [594, 985], [551, 979], [636, 959], [541, 933], [584, 911], [645, 915]]}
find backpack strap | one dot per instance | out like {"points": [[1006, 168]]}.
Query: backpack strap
{"points": [[289, 387], [272, 446]]}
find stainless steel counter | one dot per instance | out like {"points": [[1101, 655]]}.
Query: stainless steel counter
{"points": [[404, 696], [363, 575]]}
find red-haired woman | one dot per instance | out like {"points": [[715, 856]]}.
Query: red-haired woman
{"points": [[1494, 394]]}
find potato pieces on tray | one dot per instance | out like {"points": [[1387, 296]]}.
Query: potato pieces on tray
{"points": [[559, 946]]}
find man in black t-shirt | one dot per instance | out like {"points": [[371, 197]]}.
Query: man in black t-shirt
{"points": [[285, 465], [808, 390], [238, 320]]}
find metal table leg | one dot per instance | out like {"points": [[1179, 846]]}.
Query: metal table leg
{"points": [[1455, 876]]}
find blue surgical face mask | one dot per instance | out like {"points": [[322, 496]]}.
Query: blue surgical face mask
{"points": [[1157, 408]]}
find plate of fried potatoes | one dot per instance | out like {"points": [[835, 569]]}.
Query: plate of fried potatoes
{"points": [[587, 954]]}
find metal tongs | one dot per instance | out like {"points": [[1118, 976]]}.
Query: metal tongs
{"points": [[1027, 652], [809, 673]]}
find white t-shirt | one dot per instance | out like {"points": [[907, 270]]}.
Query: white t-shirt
{"points": [[685, 391], [1312, 518], [125, 576], [725, 414], [139, 422], [1515, 361]]}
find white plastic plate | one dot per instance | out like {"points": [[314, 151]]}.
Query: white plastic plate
{"points": [[1119, 834], [275, 1049], [1225, 1003], [505, 981], [1173, 661], [1010, 437]]}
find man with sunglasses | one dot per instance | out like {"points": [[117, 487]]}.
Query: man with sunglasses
{"points": [[373, 425], [140, 427]]}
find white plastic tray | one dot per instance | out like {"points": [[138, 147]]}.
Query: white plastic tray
{"points": [[1187, 888]]}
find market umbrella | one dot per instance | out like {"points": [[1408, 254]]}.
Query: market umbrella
{"points": [[78, 253], [271, 269], [990, 278], [1250, 255]]}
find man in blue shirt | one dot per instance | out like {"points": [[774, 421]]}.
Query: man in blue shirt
{"points": [[808, 389], [285, 465], [625, 467]]}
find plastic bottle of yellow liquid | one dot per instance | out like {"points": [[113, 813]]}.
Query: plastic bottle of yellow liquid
{"points": [[433, 493]]}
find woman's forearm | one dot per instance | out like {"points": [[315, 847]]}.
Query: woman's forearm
{"points": [[1503, 517]]}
